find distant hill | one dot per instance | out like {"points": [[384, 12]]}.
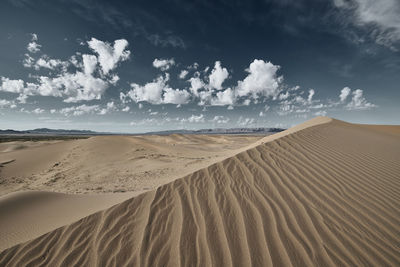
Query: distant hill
{"points": [[46, 131], [221, 131]]}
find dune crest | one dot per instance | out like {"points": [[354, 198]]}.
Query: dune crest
{"points": [[325, 193]]}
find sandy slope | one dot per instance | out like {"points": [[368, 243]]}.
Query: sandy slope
{"points": [[27, 215], [110, 163], [325, 195]]}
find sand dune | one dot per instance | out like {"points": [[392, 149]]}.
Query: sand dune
{"points": [[27, 215], [105, 164], [20, 160], [325, 193]]}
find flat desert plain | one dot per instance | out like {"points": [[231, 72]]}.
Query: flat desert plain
{"points": [[323, 193]]}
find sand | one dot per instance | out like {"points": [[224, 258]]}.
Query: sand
{"points": [[26, 215], [325, 193], [106, 164]]}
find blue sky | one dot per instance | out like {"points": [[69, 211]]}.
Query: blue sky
{"points": [[135, 66]]}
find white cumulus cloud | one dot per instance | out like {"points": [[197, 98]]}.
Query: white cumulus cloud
{"points": [[311, 93], [358, 101], [344, 93], [244, 122], [12, 86], [196, 118], [218, 76], [176, 96], [89, 63], [223, 98], [109, 56], [80, 110], [33, 46], [183, 74], [109, 107], [163, 64], [220, 119], [7, 103], [38, 111], [262, 80], [195, 85], [150, 92], [88, 81], [158, 92]]}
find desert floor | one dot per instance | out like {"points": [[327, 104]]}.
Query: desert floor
{"points": [[323, 193], [104, 164]]}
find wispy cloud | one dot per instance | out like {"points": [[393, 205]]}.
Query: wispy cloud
{"points": [[379, 20]]}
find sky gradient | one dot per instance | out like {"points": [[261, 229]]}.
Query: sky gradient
{"points": [[137, 66]]}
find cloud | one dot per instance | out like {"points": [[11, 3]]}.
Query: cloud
{"points": [[151, 92], [89, 63], [284, 96], [169, 40], [262, 80], [320, 113], [45, 62], [220, 120], [285, 107], [38, 111], [158, 92], [218, 76], [79, 110], [223, 98], [296, 103], [109, 56], [344, 93], [311, 93], [176, 96], [7, 103], [358, 102], [76, 86], [48, 63], [12, 86], [195, 119], [28, 61], [195, 85], [194, 66], [81, 85], [33, 46], [163, 64], [183, 74], [380, 16], [144, 122], [109, 107], [244, 122]]}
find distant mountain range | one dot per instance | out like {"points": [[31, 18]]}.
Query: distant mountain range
{"points": [[46, 131], [221, 131]]}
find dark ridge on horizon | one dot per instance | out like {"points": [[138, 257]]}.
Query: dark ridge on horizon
{"points": [[47, 131], [258, 130]]}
